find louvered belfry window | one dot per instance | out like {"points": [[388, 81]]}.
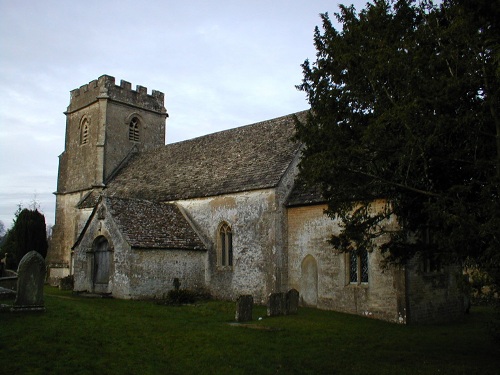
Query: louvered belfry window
{"points": [[84, 135], [133, 130]]}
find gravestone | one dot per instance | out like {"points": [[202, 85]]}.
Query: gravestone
{"points": [[244, 306], [30, 280], [292, 302], [276, 304]]}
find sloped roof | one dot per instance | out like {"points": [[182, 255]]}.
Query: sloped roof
{"points": [[90, 199], [304, 194], [153, 225], [241, 159]]}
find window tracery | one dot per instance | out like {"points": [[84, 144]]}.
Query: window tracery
{"points": [[133, 130], [225, 246]]}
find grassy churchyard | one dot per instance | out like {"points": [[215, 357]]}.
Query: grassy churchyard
{"points": [[78, 335]]}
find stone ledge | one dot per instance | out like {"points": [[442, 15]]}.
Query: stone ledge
{"points": [[36, 308], [7, 293]]}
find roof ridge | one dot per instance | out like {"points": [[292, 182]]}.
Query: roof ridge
{"points": [[271, 120], [250, 157]]}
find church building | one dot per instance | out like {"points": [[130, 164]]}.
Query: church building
{"points": [[222, 213]]}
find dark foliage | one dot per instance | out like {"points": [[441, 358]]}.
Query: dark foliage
{"points": [[28, 233], [405, 106]]}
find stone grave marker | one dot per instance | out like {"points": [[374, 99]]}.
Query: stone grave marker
{"points": [[276, 304], [244, 306], [30, 280], [292, 302]]}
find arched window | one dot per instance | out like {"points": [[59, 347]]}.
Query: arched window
{"points": [[133, 130], [225, 245], [358, 267], [84, 132]]}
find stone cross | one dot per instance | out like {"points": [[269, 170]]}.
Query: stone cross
{"points": [[30, 280], [244, 306]]}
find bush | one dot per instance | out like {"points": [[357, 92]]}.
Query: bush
{"points": [[28, 233], [483, 288]]}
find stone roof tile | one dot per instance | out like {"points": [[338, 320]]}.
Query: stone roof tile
{"points": [[304, 194], [90, 199], [153, 225], [241, 159]]}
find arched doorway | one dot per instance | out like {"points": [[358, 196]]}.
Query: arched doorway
{"points": [[309, 281], [101, 269]]}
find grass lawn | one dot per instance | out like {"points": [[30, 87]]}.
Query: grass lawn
{"points": [[78, 335]]}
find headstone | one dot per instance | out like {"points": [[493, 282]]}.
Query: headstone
{"points": [[30, 280], [292, 302], [244, 306], [276, 304]]}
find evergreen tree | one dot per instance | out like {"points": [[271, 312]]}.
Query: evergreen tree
{"points": [[28, 233], [405, 106]]}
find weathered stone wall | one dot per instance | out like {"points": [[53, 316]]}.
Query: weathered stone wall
{"points": [[320, 273], [83, 255], [107, 109], [105, 87], [434, 297], [282, 192], [78, 164], [152, 271], [252, 217], [118, 145], [135, 273], [69, 221]]}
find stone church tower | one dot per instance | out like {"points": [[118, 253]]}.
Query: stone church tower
{"points": [[105, 125]]}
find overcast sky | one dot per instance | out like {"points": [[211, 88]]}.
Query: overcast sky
{"points": [[221, 64]]}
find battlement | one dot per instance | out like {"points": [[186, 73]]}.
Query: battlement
{"points": [[105, 88]]}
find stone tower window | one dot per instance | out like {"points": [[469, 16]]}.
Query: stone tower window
{"points": [[133, 130], [84, 132], [358, 267], [225, 246]]}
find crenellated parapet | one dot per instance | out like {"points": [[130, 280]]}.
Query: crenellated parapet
{"points": [[105, 88]]}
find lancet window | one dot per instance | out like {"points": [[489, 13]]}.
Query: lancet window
{"points": [[225, 246]]}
